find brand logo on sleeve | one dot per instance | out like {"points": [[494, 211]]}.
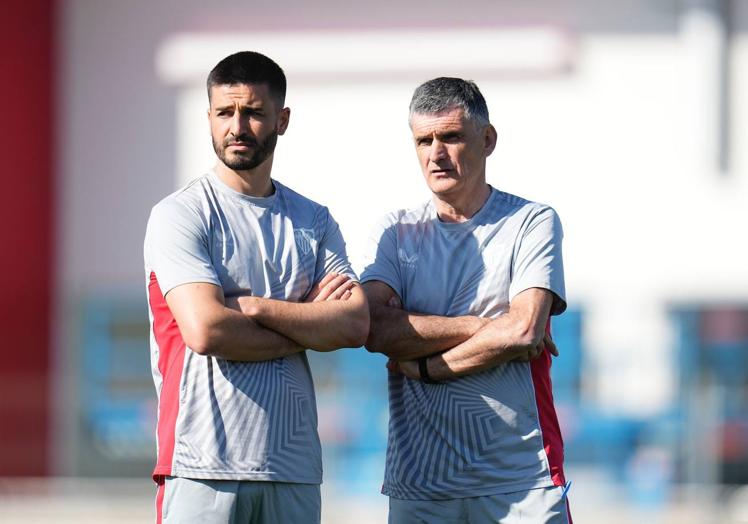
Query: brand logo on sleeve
{"points": [[304, 239]]}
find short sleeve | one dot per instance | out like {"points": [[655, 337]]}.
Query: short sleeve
{"points": [[380, 255], [538, 260], [331, 255], [177, 247]]}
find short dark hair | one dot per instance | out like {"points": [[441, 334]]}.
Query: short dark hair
{"points": [[249, 67], [446, 93]]}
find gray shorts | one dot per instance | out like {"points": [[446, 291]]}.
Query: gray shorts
{"points": [[186, 501], [534, 506]]}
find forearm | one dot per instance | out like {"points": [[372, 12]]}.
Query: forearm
{"points": [[403, 335], [322, 326], [495, 344], [508, 337], [231, 335], [210, 328]]}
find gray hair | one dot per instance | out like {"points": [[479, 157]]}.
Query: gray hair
{"points": [[446, 93]]}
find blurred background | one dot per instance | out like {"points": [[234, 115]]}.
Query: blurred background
{"points": [[629, 117]]}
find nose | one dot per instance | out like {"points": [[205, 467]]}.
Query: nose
{"points": [[438, 150], [236, 124]]}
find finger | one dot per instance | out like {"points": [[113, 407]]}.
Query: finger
{"points": [[346, 295], [318, 287], [338, 293], [548, 344], [327, 279], [551, 345], [330, 287]]}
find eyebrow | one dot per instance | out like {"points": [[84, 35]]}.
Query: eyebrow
{"points": [[255, 107], [440, 136]]}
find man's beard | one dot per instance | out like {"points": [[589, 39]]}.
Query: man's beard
{"points": [[250, 160]]}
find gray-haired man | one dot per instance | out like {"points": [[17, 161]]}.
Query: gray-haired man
{"points": [[460, 290]]}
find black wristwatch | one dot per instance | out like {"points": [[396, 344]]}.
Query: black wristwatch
{"points": [[423, 371]]}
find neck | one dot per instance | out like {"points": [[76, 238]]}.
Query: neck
{"points": [[252, 182], [463, 207]]}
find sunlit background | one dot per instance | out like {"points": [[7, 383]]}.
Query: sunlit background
{"points": [[629, 117]]}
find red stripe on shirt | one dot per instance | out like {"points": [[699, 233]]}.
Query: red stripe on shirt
{"points": [[170, 363], [552, 441]]}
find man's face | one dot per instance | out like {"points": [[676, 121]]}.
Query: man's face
{"points": [[245, 124], [452, 151]]}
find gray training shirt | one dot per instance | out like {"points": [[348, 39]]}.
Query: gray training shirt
{"points": [[221, 419], [490, 432]]}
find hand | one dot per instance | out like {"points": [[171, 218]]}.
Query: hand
{"points": [[409, 368], [531, 354], [332, 287], [243, 303], [550, 345]]}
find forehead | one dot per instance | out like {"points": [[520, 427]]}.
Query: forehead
{"points": [[242, 94], [438, 123]]}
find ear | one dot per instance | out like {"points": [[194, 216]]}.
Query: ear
{"points": [[490, 137], [283, 118]]}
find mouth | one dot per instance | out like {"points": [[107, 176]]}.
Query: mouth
{"points": [[241, 146]]}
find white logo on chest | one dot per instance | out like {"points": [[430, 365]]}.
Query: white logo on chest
{"points": [[408, 260], [304, 238]]}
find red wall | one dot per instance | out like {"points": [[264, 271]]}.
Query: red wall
{"points": [[27, 144]]}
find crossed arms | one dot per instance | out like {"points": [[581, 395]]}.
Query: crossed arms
{"points": [[334, 315], [456, 346]]}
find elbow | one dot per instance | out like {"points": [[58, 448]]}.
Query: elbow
{"points": [[356, 341], [370, 345], [200, 347], [357, 331], [350, 333], [374, 342], [356, 328], [200, 340]]}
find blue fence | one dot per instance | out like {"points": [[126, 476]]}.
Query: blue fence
{"points": [[118, 404]]}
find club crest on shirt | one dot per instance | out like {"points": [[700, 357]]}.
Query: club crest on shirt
{"points": [[304, 238], [405, 259]]}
